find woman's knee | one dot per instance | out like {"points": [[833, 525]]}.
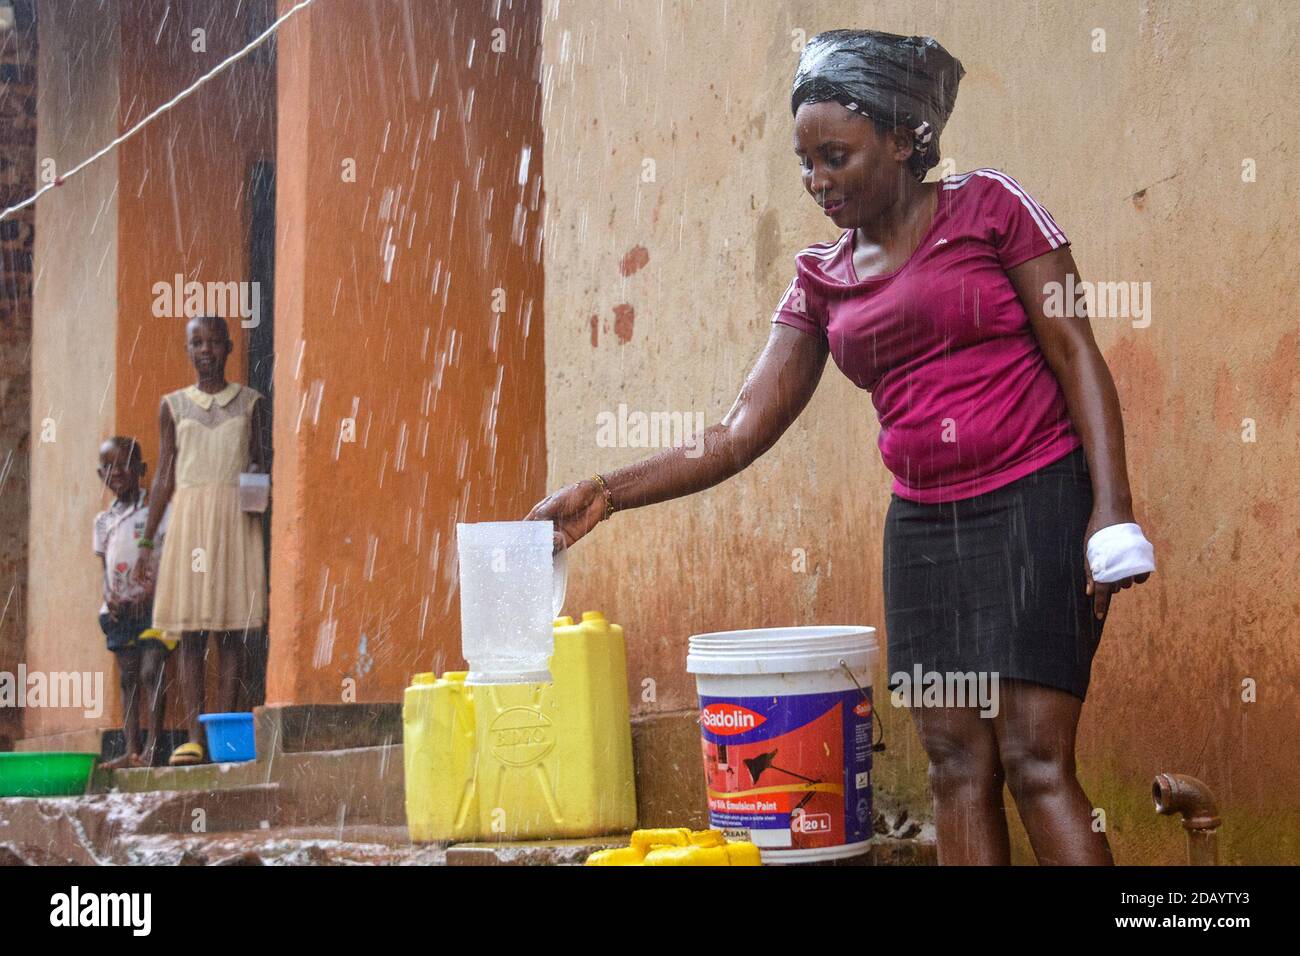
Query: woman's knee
{"points": [[1034, 771], [960, 759], [965, 774], [1036, 733]]}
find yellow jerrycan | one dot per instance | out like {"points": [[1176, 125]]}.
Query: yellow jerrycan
{"points": [[530, 760], [437, 755]]}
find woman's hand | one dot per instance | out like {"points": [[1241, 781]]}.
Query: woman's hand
{"points": [[575, 509], [1100, 591]]}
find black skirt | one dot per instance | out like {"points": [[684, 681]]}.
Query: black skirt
{"points": [[995, 584]]}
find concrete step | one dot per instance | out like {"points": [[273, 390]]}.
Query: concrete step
{"points": [[364, 844], [85, 831], [361, 845], [309, 728], [339, 787]]}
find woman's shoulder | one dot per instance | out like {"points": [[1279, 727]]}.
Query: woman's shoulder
{"points": [[1007, 213], [824, 260], [988, 182]]}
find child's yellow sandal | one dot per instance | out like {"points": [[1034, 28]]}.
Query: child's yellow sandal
{"points": [[186, 755], [153, 634]]}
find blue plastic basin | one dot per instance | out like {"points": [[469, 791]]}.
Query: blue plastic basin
{"points": [[230, 737]]}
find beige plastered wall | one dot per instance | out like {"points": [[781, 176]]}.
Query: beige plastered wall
{"points": [[74, 329], [674, 211]]}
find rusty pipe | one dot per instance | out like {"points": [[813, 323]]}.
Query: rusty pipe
{"points": [[1185, 795]]}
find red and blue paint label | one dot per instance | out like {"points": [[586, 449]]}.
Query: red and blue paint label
{"points": [[795, 771]]}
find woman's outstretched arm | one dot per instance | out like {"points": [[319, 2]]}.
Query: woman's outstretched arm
{"points": [[774, 394]]}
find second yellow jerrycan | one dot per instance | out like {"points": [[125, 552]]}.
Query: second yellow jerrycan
{"points": [[525, 761]]}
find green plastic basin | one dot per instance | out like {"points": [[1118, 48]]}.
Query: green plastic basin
{"points": [[38, 774]]}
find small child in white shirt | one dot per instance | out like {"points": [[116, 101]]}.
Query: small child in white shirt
{"points": [[127, 610]]}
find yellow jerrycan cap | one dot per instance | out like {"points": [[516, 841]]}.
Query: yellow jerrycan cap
{"points": [[678, 846]]}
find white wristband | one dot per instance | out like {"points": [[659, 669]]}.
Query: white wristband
{"points": [[1119, 551]]}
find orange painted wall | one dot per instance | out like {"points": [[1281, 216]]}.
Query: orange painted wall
{"points": [[386, 287], [181, 201], [182, 204]]}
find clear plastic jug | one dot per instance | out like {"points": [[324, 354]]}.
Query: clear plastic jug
{"points": [[511, 590]]}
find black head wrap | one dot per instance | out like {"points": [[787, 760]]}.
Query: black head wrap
{"points": [[893, 80]]}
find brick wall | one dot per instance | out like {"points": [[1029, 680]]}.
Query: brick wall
{"points": [[17, 181]]}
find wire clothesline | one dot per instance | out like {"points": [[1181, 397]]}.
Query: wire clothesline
{"points": [[257, 41]]}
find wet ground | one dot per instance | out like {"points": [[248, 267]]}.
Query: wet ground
{"points": [[168, 828], [291, 846], [158, 829]]}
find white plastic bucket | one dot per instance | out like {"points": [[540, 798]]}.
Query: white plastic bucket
{"points": [[786, 730]]}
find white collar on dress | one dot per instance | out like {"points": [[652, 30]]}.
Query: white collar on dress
{"points": [[205, 399]]}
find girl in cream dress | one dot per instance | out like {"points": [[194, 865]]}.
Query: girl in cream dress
{"points": [[211, 573]]}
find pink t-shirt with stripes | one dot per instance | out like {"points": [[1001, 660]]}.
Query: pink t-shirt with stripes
{"points": [[966, 400]]}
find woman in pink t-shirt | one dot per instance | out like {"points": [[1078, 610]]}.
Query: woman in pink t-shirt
{"points": [[1001, 426]]}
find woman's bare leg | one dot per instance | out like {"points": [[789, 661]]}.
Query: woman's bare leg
{"points": [[1035, 729], [966, 780]]}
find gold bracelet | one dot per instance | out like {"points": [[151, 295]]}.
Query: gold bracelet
{"points": [[609, 497]]}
